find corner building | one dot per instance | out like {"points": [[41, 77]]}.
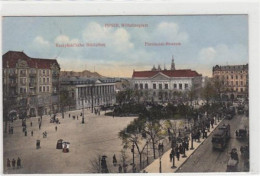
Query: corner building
{"points": [[234, 79], [31, 84]]}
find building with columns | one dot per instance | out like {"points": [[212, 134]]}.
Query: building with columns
{"points": [[32, 84], [90, 92], [160, 85], [234, 79]]}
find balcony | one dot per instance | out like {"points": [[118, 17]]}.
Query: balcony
{"points": [[13, 84], [13, 75], [33, 84], [22, 74], [32, 74], [32, 93]]}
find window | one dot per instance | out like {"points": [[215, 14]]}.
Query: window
{"points": [[160, 86], [241, 76], [175, 86], [47, 72], [241, 90], [40, 89], [48, 89], [43, 88], [47, 80], [180, 86], [141, 86], [154, 86], [166, 86], [43, 80], [241, 83], [146, 86], [43, 72], [236, 77], [227, 77], [136, 86], [231, 76], [237, 83], [231, 83], [186, 86]]}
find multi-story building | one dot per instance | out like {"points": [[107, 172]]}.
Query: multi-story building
{"points": [[31, 83], [89, 92], [234, 79], [159, 85]]}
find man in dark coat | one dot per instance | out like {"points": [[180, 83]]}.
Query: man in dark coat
{"points": [[18, 163], [13, 163], [8, 163], [178, 155]]}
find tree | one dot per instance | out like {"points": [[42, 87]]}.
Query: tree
{"points": [[132, 136], [8, 105], [155, 132], [65, 100], [192, 94]]}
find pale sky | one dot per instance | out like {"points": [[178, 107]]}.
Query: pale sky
{"points": [[204, 41]]}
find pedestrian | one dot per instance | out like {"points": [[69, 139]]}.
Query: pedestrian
{"points": [[13, 163], [31, 123], [56, 128], [31, 133], [77, 118], [8, 163], [25, 133], [18, 163], [236, 133], [39, 126], [114, 160], [69, 115], [178, 155], [162, 147], [119, 168], [171, 157]]}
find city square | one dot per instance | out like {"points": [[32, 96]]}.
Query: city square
{"points": [[126, 94]]}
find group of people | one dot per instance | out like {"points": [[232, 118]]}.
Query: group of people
{"points": [[97, 111], [13, 163]]}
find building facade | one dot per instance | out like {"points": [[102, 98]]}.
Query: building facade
{"points": [[160, 85], [90, 92], [234, 79], [31, 83]]}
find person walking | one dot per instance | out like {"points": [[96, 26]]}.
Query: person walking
{"points": [[25, 133], [171, 156], [31, 133], [13, 163], [236, 133], [119, 168], [31, 123], [178, 155], [56, 128], [114, 160], [77, 118], [69, 115], [18, 163], [8, 163]]}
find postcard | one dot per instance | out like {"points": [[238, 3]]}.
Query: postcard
{"points": [[126, 93]]}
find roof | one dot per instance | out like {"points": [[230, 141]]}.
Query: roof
{"points": [[170, 73], [12, 57], [84, 80], [230, 67]]}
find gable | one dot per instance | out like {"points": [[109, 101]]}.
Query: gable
{"points": [[160, 76]]}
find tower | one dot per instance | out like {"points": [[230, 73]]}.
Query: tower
{"points": [[173, 64]]}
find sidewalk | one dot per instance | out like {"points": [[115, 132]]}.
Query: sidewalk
{"points": [[165, 160]]}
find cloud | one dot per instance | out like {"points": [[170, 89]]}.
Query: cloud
{"points": [[116, 39], [223, 54], [63, 39], [39, 40], [170, 32]]}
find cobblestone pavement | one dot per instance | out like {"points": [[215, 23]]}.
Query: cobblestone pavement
{"points": [[97, 136]]}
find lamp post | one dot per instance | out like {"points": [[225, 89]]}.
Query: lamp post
{"points": [[147, 153], [160, 164], [133, 151], [173, 152]]}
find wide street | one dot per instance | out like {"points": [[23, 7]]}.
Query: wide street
{"points": [[207, 159], [97, 136]]}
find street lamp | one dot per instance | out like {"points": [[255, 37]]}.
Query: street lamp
{"points": [[173, 152], [133, 151], [160, 157]]}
